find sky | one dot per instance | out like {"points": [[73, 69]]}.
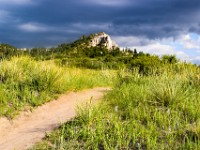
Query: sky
{"points": [[152, 26]]}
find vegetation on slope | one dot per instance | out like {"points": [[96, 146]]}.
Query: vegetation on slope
{"points": [[154, 103], [80, 54], [26, 82], [141, 112]]}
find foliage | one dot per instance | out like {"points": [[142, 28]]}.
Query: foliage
{"points": [[80, 54], [7, 51], [171, 59], [141, 112], [146, 64], [153, 105], [26, 82]]}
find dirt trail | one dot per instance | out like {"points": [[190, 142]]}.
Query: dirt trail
{"points": [[29, 128]]}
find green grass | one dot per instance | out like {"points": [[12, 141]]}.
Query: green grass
{"points": [[141, 112], [26, 83], [78, 79]]}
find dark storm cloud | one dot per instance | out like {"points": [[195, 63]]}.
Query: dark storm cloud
{"points": [[157, 19], [49, 22]]}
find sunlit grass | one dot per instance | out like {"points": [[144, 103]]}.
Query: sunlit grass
{"points": [[25, 82], [86, 78], [141, 112]]}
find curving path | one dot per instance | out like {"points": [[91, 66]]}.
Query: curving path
{"points": [[30, 127]]}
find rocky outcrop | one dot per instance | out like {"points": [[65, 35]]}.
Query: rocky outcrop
{"points": [[103, 39]]}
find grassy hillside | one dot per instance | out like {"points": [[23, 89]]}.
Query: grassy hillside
{"points": [[141, 112], [154, 103], [28, 83]]}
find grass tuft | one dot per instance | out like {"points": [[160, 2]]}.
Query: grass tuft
{"points": [[141, 112], [25, 82]]}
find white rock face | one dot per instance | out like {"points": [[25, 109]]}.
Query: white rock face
{"points": [[104, 39]]}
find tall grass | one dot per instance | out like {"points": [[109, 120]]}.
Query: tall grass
{"points": [[25, 82], [141, 112], [78, 79]]}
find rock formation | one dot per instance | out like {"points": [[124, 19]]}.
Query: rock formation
{"points": [[103, 39]]}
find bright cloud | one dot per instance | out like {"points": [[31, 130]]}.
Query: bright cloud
{"points": [[32, 27], [160, 49], [129, 41], [164, 46], [190, 41]]}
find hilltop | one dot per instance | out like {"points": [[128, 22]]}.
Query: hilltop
{"points": [[103, 39], [95, 51], [99, 40]]}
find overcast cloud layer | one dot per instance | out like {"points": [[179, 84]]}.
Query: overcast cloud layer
{"points": [[154, 26]]}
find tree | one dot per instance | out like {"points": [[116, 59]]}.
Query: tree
{"points": [[135, 53], [6, 51], [171, 59]]}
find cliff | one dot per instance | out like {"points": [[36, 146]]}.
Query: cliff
{"points": [[103, 39]]}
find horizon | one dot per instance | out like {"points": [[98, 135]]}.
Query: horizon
{"points": [[168, 27]]}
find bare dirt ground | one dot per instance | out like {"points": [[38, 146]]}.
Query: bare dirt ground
{"points": [[30, 127]]}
